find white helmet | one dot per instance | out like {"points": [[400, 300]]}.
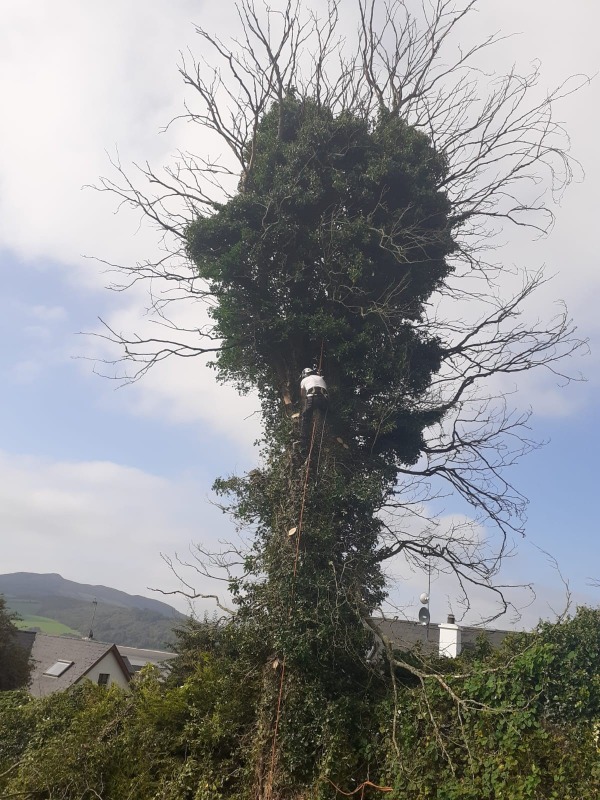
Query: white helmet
{"points": [[306, 372]]}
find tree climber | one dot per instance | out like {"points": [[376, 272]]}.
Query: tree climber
{"points": [[313, 394]]}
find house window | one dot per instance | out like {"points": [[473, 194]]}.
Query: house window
{"points": [[57, 669], [103, 678]]}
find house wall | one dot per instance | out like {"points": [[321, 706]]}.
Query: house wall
{"points": [[107, 664]]}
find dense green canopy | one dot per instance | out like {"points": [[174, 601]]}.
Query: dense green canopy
{"points": [[334, 243]]}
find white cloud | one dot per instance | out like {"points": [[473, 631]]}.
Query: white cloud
{"points": [[48, 313], [76, 80], [24, 371], [99, 522], [37, 344], [37, 332], [180, 390]]}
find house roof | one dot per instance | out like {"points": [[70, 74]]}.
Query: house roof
{"points": [[405, 634], [81, 655], [138, 657]]}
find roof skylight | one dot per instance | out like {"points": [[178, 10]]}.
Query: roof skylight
{"points": [[58, 668]]}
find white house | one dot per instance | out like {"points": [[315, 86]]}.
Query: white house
{"points": [[63, 661]]}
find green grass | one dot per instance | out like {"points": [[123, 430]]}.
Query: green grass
{"points": [[46, 625]]}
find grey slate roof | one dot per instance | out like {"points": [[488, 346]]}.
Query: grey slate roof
{"points": [[138, 657], [84, 653], [493, 635], [405, 634]]}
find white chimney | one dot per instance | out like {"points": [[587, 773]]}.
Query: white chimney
{"points": [[450, 638]]}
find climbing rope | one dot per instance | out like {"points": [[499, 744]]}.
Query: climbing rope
{"points": [[360, 788], [269, 791], [321, 444], [269, 787]]}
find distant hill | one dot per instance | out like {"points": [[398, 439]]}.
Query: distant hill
{"points": [[34, 584], [119, 617]]}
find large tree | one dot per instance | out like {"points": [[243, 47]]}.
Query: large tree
{"points": [[369, 183]]}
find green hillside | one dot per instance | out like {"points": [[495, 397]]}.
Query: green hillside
{"points": [[45, 625], [128, 626], [57, 606]]}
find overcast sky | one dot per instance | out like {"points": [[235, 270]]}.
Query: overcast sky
{"points": [[96, 483]]}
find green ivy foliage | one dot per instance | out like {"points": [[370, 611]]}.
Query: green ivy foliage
{"points": [[526, 726], [156, 741], [518, 723], [15, 664], [328, 253], [338, 238]]}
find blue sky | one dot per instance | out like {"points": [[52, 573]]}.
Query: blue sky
{"points": [[95, 482]]}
